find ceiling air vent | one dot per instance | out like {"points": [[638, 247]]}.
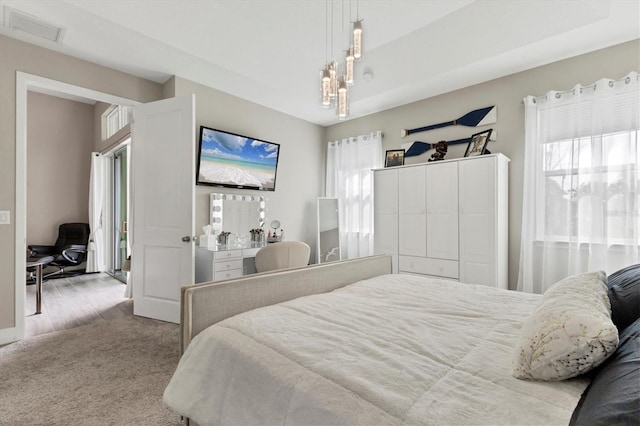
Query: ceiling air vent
{"points": [[30, 24]]}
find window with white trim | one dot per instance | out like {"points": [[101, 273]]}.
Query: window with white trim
{"points": [[581, 192], [114, 119], [591, 184]]}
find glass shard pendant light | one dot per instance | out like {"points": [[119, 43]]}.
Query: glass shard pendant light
{"points": [[343, 105], [349, 66], [333, 79], [335, 82], [326, 88], [357, 40]]}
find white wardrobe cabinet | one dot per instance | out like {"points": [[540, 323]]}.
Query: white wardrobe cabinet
{"points": [[445, 218]]}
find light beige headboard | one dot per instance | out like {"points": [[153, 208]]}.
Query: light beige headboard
{"points": [[206, 304]]}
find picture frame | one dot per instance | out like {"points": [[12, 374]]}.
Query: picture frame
{"points": [[478, 144], [394, 157]]}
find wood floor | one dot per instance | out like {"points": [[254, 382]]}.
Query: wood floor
{"points": [[75, 301]]}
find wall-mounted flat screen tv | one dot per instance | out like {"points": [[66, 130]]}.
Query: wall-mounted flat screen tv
{"points": [[236, 161]]}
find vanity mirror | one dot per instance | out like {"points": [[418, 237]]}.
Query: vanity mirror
{"points": [[237, 214]]}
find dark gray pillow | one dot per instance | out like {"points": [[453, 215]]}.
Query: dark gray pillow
{"points": [[613, 396], [624, 294]]}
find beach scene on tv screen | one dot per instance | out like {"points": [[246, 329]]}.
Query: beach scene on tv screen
{"points": [[227, 159]]}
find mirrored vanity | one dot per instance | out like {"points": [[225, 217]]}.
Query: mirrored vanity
{"points": [[234, 236], [236, 214]]}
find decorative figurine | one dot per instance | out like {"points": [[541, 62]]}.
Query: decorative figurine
{"points": [[441, 151]]}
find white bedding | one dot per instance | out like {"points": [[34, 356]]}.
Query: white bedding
{"points": [[395, 349]]}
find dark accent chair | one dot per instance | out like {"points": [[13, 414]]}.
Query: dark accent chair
{"points": [[70, 249]]}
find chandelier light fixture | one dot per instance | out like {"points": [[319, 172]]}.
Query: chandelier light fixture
{"points": [[336, 78]]}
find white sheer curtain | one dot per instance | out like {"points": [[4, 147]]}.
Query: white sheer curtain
{"points": [[581, 199], [95, 249], [350, 180]]}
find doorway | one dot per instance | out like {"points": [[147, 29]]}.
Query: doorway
{"points": [[24, 83], [163, 128], [119, 194]]}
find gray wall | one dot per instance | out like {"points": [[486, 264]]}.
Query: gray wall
{"points": [[59, 145], [20, 56], [300, 168], [507, 94]]}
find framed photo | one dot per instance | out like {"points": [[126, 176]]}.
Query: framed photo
{"points": [[478, 144], [394, 157]]}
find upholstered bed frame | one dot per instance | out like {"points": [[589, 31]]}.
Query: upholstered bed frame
{"points": [[207, 304]]}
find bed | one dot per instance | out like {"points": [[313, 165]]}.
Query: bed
{"points": [[350, 343]]}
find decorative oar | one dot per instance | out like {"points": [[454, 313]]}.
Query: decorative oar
{"points": [[479, 117], [419, 147]]}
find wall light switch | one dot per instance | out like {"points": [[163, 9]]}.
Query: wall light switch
{"points": [[5, 219]]}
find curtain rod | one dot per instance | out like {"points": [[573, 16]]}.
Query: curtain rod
{"points": [[559, 94], [355, 137]]}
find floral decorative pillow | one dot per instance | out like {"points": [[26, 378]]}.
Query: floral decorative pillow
{"points": [[569, 333]]}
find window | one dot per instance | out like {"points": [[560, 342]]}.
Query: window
{"points": [[114, 119], [581, 194], [350, 179], [590, 185]]}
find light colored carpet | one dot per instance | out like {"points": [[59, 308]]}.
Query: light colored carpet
{"points": [[110, 373]]}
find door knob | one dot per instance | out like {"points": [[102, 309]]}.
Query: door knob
{"points": [[186, 239]]}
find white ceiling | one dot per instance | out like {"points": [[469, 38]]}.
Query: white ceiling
{"points": [[271, 51]]}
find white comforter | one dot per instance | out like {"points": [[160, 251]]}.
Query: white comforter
{"points": [[395, 349]]}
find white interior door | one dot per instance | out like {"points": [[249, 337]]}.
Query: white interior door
{"points": [[162, 174]]}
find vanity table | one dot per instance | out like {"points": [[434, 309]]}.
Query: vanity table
{"points": [[236, 214], [223, 262]]}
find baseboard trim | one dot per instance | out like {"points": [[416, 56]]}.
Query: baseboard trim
{"points": [[10, 335]]}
